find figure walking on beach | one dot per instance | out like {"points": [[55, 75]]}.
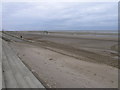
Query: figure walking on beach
{"points": [[20, 36]]}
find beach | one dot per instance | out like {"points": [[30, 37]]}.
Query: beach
{"points": [[70, 60]]}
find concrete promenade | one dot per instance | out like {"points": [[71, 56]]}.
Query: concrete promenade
{"points": [[15, 73]]}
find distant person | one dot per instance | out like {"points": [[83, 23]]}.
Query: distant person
{"points": [[20, 36]]}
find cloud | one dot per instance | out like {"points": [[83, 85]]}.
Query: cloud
{"points": [[60, 15], [60, 0]]}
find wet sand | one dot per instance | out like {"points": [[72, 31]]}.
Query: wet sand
{"points": [[95, 49]]}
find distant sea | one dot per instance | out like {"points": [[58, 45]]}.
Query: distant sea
{"points": [[92, 31]]}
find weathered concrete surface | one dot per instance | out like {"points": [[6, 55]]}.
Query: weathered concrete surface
{"points": [[0, 61], [16, 74]]}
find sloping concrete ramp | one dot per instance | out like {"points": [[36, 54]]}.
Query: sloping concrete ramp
{"points": [[15, 73]]}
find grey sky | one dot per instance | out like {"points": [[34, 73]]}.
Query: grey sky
{"points": [[60, 16]]}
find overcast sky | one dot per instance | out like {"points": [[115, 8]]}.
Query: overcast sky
{"points": [[60, 15]]}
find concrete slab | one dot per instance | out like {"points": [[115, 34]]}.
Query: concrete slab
{"points": [[0, 62], [16, 74]]}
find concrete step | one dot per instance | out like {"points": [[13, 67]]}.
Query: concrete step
{"points": [[21, 74], [1, 60], [10, 81]]}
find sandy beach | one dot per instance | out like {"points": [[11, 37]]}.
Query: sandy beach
{"points": [[57, 44], [67, 61]]}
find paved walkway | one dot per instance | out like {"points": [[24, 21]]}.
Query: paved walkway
{"points": [[15, 73], [0, 61]]}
